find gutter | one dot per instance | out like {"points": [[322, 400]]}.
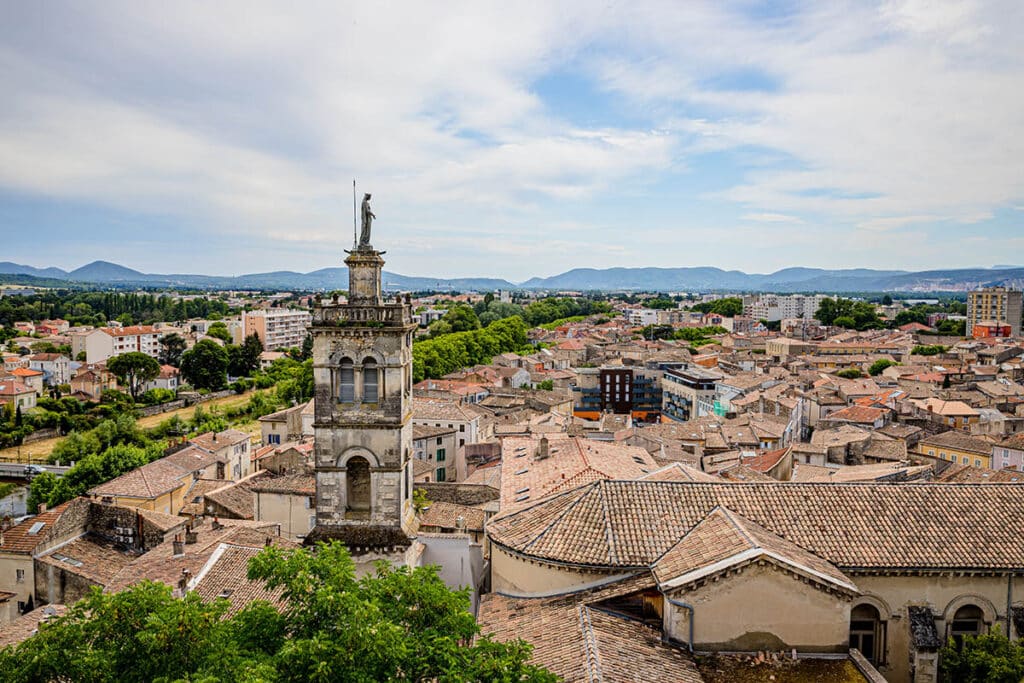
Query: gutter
{"points": [[689, 608]]}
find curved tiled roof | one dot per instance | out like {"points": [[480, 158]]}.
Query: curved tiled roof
{"points": [[630, 524]]}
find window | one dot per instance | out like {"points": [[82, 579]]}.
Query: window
{"points": [[370, 380], [20, 573], [977, 462], [967, 621], [441, 474], [867, 633], [346, 382], [440, 455], [462, 428], [439, 441]]}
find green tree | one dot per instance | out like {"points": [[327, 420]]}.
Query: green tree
{"points": [[987, 658], [134, 369], [171, 348], [850, 373], [845, 321], [880, 365], [398, 624], [887, 300], [205, 365], [219, 330]]}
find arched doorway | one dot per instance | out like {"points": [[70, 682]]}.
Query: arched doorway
{"points": [[969, 620], [867, 633], [358, 487]]}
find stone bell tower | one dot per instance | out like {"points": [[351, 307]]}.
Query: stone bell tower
{"points": [[362, 370]]}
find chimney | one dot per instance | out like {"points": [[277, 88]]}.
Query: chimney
{"points": [[186, 575], [41, 509], [216, 524], [542, 450], [460, 523], [179, 546]]}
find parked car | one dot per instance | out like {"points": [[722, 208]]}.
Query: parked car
{"points": [[33, 470]]}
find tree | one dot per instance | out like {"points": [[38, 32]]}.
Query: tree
{"points": [[219, 330], [987, 658], [887, 300], [850, 373], [252, 347], [205, 365], [134, 369], [880, 365], [398, 624], [171, 348]]}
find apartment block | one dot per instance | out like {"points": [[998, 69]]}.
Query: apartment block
{"points": [[107, 342], [277, 328], [773, 307], [994, 305]]}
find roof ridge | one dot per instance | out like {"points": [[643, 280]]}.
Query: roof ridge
{"points": [[592, 656], [608, 530], [734, 519]]}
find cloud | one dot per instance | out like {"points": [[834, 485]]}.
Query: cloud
{"points": [[248, 121], [770, 218]]}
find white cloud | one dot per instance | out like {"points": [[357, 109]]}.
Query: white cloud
{"points": [[251, 119]]}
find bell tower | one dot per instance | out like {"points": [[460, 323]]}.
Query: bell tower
{"points": [[362, 371]]}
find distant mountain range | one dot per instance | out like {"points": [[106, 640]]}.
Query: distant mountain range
{"points": [[648, 279]]}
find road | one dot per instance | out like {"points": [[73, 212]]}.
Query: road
{"points": [[39, 451]]}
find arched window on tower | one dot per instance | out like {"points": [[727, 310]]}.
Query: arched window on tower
{"points": [[370, 381], [346, 381]]}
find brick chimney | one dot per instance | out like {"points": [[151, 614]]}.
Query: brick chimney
{"points": [[179, 546]]}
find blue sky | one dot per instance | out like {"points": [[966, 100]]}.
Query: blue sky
{"points": [[513, 139]]}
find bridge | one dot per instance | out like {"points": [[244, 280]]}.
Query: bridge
{"points": [[21, 470]]}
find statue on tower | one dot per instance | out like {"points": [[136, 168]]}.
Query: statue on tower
{"points": [[364, 235]]}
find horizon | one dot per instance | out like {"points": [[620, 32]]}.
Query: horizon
{"points": [[996, 267], [501, 139]]}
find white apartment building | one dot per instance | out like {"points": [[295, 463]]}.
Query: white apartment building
{"points": [[773, 307], [277, 328], [642, 316], [106, 342]]}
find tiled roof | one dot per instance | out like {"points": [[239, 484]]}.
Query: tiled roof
{"points": [[237, 497], [445, 516], [94, 559], [965, 474], [149, 481], [225, 574], [857, 413], [619, 524], [571, 461], [161, 564], [677, 471], [212, 442], [24, 537], [296, 484], [26, 626], [724, 539], [581, 644], [958, 440], [192, 458]]}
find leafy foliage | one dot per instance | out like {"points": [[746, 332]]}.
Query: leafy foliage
{"points": [[398, 624], [850, 373], [205, 365], [440, 356], [880, 365], [858, 315], [928, 350], [730, 306], [988, 658], [134, 369]]}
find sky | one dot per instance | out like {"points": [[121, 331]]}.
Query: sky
{"points": [[512, 139]]}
